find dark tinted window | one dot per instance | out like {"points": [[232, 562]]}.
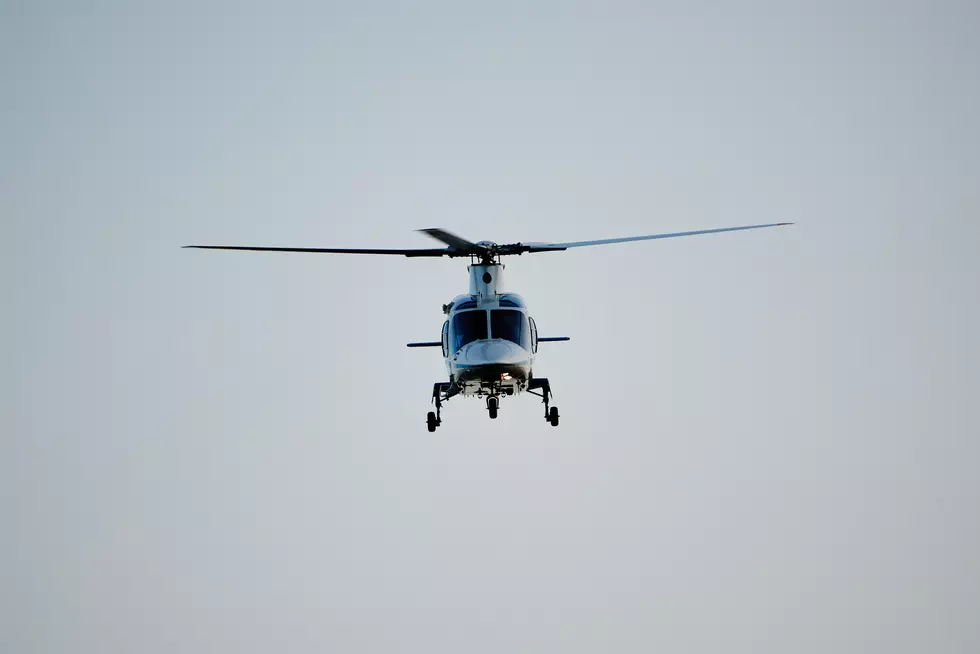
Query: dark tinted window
{"points": [[468, 327], [467, 304], [510, 325]]}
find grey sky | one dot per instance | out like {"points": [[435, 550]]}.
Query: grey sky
{"points": [[767, 440]]}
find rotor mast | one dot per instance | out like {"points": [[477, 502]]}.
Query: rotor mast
{"points": [[485, 272]]}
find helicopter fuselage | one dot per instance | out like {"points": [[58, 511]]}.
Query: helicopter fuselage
{"points": [[489, 343]]}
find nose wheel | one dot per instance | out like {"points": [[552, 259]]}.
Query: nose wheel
{"points": [[492, 405]]}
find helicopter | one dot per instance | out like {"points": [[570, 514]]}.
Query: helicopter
{"points": [[489, 340]]}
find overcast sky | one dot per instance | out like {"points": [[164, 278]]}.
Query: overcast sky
{"points": [[769, 439]]}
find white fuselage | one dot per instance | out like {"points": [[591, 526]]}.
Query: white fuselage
{"points": [[489, 340]]}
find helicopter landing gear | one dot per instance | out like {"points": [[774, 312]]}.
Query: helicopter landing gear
{"points": [[441, 392], [550, 412], [492, 404]]}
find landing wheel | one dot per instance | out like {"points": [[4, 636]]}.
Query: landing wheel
{"points": [[553, 416], [431, 421], [492, 407]]}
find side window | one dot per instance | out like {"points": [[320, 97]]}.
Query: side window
{"points": [[534, 335], [445, 339]]}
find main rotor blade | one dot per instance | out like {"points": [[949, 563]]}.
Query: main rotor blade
{"points": [[549, 247], [408, 253], [454, 242]]}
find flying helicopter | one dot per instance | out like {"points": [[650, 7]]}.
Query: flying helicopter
{"points": [[489, 340]]}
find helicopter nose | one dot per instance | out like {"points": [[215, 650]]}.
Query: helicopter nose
{"points": [[500, 351], [493, 351]]}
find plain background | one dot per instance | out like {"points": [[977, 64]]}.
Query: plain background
{"points": [[768, 438]]}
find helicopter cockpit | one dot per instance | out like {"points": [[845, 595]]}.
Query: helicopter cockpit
{"points": [[470, 325]]}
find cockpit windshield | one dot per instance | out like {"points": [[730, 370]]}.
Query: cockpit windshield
{"points": [[468, 326], [511, 325]]}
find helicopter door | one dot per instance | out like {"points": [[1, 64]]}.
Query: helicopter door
{"points": [[534, 335], [445, 339]]}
